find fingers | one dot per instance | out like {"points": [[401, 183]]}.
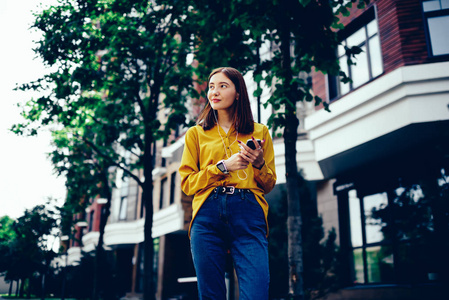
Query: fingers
{"points": [[236, 162], [255, 157], [257, 144], [246, 155]]}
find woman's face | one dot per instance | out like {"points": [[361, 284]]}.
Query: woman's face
{"points": [[222, 92]]}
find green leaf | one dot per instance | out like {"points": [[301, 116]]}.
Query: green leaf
{"points": [[304, 2]]}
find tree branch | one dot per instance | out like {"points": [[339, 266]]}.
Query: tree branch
{"points": [[113, 163]]}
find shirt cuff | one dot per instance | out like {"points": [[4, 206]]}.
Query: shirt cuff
{"points": [[216, 171], [262, 171]]}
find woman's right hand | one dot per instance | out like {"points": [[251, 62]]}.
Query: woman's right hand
{"points": [[236, 162]]}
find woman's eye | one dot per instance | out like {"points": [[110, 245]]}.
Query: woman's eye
{"points": [[223, 86]]}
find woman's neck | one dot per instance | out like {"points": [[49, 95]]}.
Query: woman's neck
{"points": [[225, 120]]}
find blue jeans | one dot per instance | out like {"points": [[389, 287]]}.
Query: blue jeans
{"points": [[234, 223]]}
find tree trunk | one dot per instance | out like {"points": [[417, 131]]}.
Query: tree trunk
{"points": [[64, 279], [22, 287], [294, 222], [43, 285], [29, 289], [147, 197], [10, 288], [100, 253]]}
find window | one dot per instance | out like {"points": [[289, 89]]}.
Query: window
{"points": [[162, 194], [91, 220], [172, 187], [123, 209], [399, 235], [371, 259], [363, 33], [436, 18]]}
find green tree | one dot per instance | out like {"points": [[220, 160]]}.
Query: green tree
{"points": [[414, 224], [27, 251], [303, 37], [87, 177], [6, 232], [113, 65], [320, 255], [7, 235], [306, 37]]}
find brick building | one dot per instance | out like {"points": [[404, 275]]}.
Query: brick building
{"points": [[387, 134], [388, 131]]}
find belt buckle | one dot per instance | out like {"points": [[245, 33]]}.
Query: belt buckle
{"points": [[232, 190]]}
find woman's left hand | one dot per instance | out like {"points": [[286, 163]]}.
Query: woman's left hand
{"points": [[255, 157]]}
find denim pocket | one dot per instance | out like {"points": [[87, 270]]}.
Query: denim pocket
{"points": [[251, 198]]}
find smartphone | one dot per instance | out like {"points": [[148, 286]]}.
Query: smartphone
{"points": [[250, 143]]}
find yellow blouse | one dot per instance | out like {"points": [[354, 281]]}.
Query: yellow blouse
{"points": [[204, 149]]}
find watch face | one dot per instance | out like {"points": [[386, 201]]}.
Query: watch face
{"points": [[221, 167]]}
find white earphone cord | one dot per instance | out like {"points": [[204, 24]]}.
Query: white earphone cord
{"points": [[230, 150]]}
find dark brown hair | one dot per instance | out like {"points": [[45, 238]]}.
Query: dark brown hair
{"points": [[243, 117]]}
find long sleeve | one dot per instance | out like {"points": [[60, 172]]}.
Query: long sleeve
{"points": [[193, 179], [266, 176], [204, 148]]}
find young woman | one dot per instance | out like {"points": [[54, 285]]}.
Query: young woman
{"points": [[228, 180]]}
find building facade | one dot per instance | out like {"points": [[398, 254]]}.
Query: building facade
{"points": [[385, 142], [383, 150]]}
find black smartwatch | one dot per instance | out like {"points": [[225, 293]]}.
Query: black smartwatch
{"points": [[222, 167]]}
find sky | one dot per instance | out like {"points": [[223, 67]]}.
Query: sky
{"points": [[26, 174]]}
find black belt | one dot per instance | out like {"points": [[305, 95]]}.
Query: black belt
{"points": [[230, 190]]}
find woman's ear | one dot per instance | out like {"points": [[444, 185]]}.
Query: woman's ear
{"points": [[237, 96]]}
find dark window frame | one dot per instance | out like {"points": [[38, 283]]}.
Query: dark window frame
{"points": [[365, 244], [161, 194], [425, 17], [333, 82], [172, 187], [91, 220], [123, 209]]}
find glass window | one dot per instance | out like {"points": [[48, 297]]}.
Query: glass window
{"points": [[172, 187], [375, 56], [373, 228], [357, 38], [399, 236], [163, 193], [355, 219], [438, 34], [372, 258], [379, 264], [372, 28], [368, 63], [91, 220], [360, 71], [359, 269], [436, 17], [123, 208], [431, 5]]}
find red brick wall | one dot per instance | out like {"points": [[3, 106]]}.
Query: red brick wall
{"points": [[96, 208], [412, 32], [402, 36], [319, 85], [389, 33]]}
